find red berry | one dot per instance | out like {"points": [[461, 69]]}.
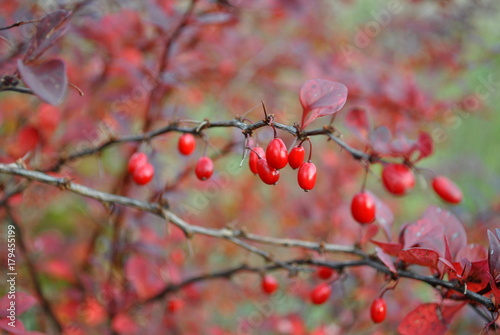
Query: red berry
{"points": [[136, 160], [447, 190], [277, 154], [398, 179], [254, 157], [296, 157], [324, 272], [269, 284], [204, 168], [378, 310], [174, 305], [143, 174], [267, 174], [363, 208], [321, 293], [307, 176], [186, 144]]}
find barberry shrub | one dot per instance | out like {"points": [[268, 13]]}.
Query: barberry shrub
{"points": [[155, 156]]}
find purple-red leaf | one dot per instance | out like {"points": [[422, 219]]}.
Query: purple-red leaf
{"points": [[321, 97], [47, 80], [381, 139], [386, 259], [420, 256], [48, 30], [392, 249], [494, 254], [358, 122], [429, 319]]}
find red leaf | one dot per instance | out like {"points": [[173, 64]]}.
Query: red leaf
{"points": [[424, 145], [420, 256], [124, 324], [368, 232], [392, 249], [144, 275], [47, 80], [357, 121], [429, 319], [48, 30], [494, 254], [386, 259], [17, 330], [383, 215], [320, 98]]}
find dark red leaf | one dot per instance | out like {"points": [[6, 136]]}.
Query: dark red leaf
{"points": [[420, 256], [386, 259], [321, 97], [429, 232], [429, 319], [357, 121], [47, 80], [48, 30], [494, 254], [392, 249]]}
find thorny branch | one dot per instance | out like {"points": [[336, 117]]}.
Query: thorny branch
{"points": [[238, 237]]}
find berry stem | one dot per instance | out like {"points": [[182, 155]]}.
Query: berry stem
{"points": [[310, 148]]}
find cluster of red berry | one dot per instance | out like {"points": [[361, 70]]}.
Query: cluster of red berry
{"points": [[399, 179], [267, 164], [142, 171]]}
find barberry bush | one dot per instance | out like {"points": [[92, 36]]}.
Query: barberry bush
{"points": [[249, 167]]}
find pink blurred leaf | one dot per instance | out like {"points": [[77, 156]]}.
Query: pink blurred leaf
{"points": [[494, 254], [47, 80], [420, 256], [357, 121], [424, 145], [386, 259], [50, 28], [24, 301], [321, 97], [383, 215], [381, 139], [124, 324], [368, 232], [429, 319], [473, 252], [17, 330], [392, 249], [144, 275]]}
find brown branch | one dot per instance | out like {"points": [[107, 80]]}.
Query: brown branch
{"points": [[236, 236], [235, 123]]}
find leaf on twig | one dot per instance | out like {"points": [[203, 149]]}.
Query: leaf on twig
{"points": [[47, 80], [321, 97]]}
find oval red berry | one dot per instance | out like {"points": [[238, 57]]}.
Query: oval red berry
{"points": [[324, 272], [277, 154], [255, 153], [321, 293], [363, 208], [378, 310], [447, 190], [296, 157], [307, 176], [143, 174], [136, 160], [269, 284], [186, 144], [267, 174], [398, 179], [204, 168]]}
